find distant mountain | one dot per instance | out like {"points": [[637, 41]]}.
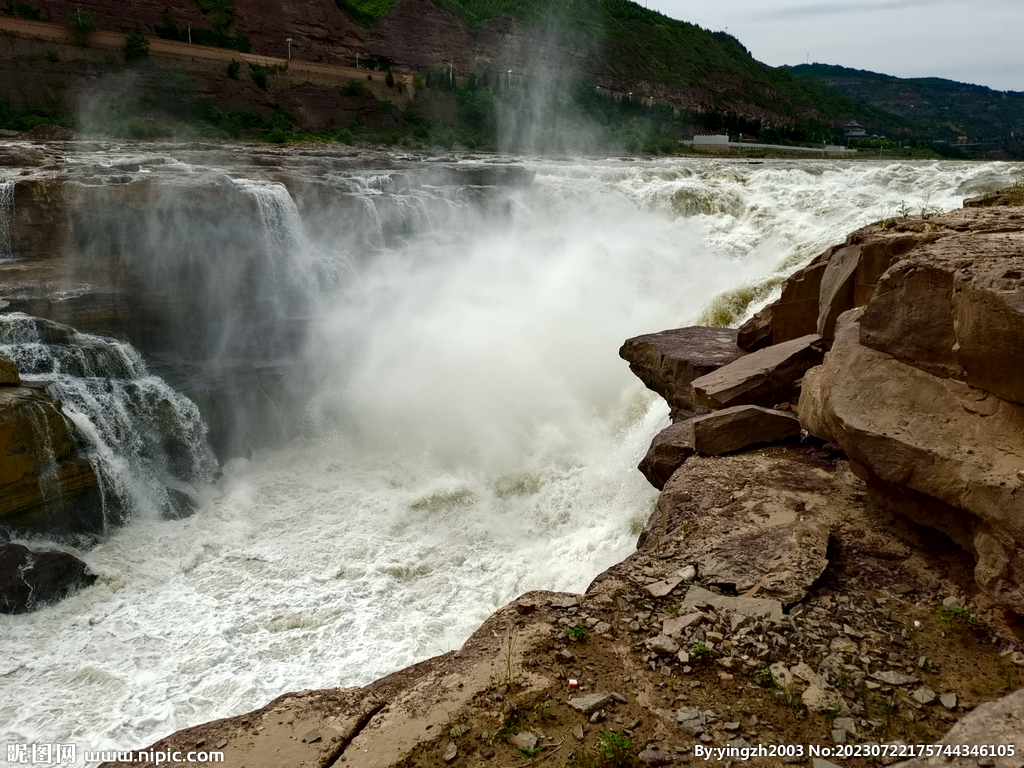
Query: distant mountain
{"points": [[941, 109]]}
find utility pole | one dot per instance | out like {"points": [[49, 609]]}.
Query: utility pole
{"points": [[510, 78], [357, 61], [451, 72], [190, 34], [289, 41]]}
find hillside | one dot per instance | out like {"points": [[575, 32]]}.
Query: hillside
{"points": [[530, 75], [941, 109], [626, 50]]}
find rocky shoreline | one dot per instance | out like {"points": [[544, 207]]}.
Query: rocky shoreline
{"points": [[854, 583]]}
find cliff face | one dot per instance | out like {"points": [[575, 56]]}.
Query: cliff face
{"points": [[922, 387], [44, 485]]}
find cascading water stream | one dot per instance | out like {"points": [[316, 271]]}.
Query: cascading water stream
{"points": [[6, 219], [146, 442]]}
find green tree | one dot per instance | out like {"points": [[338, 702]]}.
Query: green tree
{"points": [[82, 24], [390, 80], [136, 46]]}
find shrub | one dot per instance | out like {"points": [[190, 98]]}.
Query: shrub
{"points": [[577, 634], [136, 46], [390, 80], [82, 24], [259, 75], [355, 88], [234, 68]]}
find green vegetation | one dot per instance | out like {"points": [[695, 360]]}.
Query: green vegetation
{"points": [[957, 617], [611, 751], [259, 75], [926, 109], [699, 652], [234, 69], [367, 12], [51, 112], [81, 24], [21, 11], [221, 13], [577, 634], [136, 46]]}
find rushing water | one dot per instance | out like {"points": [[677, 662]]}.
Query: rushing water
{"points": [[146, 442], [6, 214], [468, 432]]}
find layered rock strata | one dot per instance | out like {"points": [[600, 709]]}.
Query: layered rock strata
{"points": [[44, 485]]}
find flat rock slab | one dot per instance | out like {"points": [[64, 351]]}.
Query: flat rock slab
{"points": [[742, 426], [698, 597], [766, 377], [669, 449], [781, 562], [663, 587], [669, 361], [893, 678], [591, 703]]}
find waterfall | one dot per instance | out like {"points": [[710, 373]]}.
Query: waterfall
{"points": [[6, 219], [146, 442]]}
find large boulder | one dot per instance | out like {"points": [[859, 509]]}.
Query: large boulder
{"points": [[669, 449], [733, 429], [44, 485], [669, 361], [767, 377], [955, 308], [845, 276], [30, 580], [995, 727], [9, 376], [757, 523], [950, 453]]}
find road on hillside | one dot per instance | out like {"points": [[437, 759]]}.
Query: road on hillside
{"points": [[187, 50]]}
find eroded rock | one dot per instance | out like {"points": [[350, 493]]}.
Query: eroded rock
{"points": [[766, 377], [733, 429], [30, 580], [669, 449], [669, 361], [946, 452]]}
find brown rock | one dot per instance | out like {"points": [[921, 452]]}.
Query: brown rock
{"points": [[733, 429], [669, 449], [995, 723], [9, 376], [30, 580], [669, 361], [42, 484], [766, 377], [836, 293], [910, 317], [988, 315], [781, 562], [934, 438]]}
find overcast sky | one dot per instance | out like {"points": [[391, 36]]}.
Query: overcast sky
{"points": [[972, 41]]}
